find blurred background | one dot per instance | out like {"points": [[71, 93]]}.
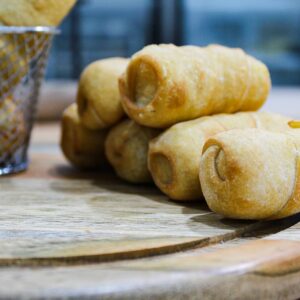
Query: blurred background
{"points": [[267, 29]]}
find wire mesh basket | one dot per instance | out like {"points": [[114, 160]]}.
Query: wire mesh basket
{"points": [[23, 57]]}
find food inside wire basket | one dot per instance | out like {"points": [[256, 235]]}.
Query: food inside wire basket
{"points": [[23, 56]]}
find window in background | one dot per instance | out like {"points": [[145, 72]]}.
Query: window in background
{"points": [[269, 30], [99, 28]]}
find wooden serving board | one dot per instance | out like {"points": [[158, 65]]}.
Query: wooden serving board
{"points": [[66, 234]]}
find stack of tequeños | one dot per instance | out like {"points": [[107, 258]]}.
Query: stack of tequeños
{"points": [[85, 123], [170, 102]]}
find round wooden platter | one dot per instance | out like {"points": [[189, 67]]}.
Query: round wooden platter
{"points": [[66, 234]]}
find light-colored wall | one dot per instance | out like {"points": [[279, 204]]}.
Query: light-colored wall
{"points": [[56, 95]]}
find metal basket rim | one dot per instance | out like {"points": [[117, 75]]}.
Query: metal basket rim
{"points": [[29, 29]]}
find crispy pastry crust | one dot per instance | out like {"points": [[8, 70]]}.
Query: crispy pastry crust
{"points": [[34, 12], [84, 148], [174, 156], [165, 84], [15, 53], [98, 97], [126, 148], [252, 173]]}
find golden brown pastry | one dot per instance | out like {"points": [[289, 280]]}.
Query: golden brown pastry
{"points": [[15, 51], [82, 147], [13, 65], [252, 173], [34, 12], [174, 156], [12, 129], [98, 97], [126, 148], [165, 84]]}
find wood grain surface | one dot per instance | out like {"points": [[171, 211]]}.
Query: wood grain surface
{"points": [[66, 234]]}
